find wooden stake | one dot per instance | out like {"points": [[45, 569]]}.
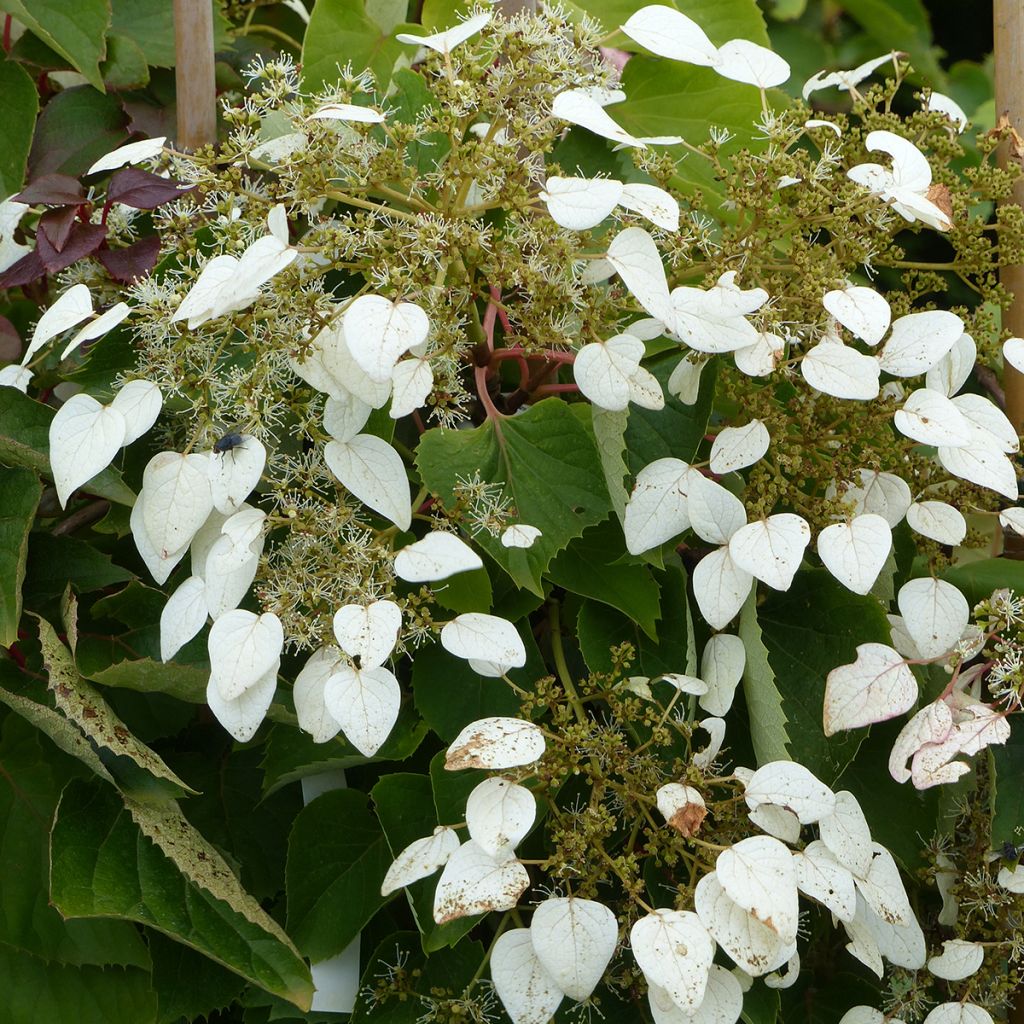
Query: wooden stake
{"points": [[193, 73], [1009, 68]]}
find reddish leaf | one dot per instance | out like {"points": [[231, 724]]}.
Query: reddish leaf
{"points": [[83, 240], [52, 190], [143, 190], [28, 269], [57, 225], [10, 342], [125, 265]]}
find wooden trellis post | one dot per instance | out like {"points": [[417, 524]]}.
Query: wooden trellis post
{"points": [[194, 73]]}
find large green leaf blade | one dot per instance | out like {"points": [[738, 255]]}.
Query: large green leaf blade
{"points": [[18, 121], [20, 491], [339, 32], [147, 864]]}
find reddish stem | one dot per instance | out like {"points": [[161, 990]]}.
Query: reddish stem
{"points": [[555, 389], [7, 34], [480, 376], [490, 315]]}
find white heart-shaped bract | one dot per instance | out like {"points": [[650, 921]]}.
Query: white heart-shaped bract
{"points": [[958, 1013], [840, 371], [846, 834], [637, 261], [788, 978], [365, 703], [139, 402], [654, 203], [721, 667], [14, 376], [499, 813], [474, 882], [752, 945], [210, 293], [918, 341], [902, 945], [976, 726], [519, 535], [234, 473], [84, 438], [527, 992], [757, 874], [368, 632], [580, 203], [1011, 879], [855, 552], [939, 103], [579, 107], [668, 33], [760, 358], [603, 369], [684, 381], [950, 373], [715, 512], [931, 725], [495, 743], [820, 876], [862, 945], [711, 321], [937, 521], [489, 639], [436, 557], [910, 168], [308, 694], [182, 617], [70, 309], [96, 328], [739, 447], [860, 310], [776, 821], [420, 859], [445, 42], [987, 417], [675, 951], [574, 939], [229, 571], [882, 888], [245, 528], [346, 112], [657, 508], [791, 785], [178, 498], [935, 614], [133, 153], [747, 62], [683, 683], [379, 332], [160, 565], [412, 380], [1013, 353], [720, 587], [1012, 519], [771, 549], [884, 494], [981, 462], [243, 715], [345, 415], [374, 473], [681, 806], [243, 646], [715, 728], [958, 960], [932, 419], [722, 1003], [329, 367], [876, 687]]}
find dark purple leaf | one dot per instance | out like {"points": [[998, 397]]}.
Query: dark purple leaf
{"points": [[126, 265], [10, 342], [28, 269], [52, 190], [57, 225], [83, 240], [143, 190]]}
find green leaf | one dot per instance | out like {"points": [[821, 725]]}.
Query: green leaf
{"points": [[465, 592], [449, 694], [809, 630], [188, 984], [760, 1005], [32, 777], [1008, 793], [977, 580], [146, 863], [90, 712], [20, 491], [150, 25], [56, 562], [405, 807], [77, 31], [410, 95], [597, 565], [25, 441], [900, 25], [547, 463], [18, 121], [337, 859], [610, 437], [452, 789], [185, 682], [75, 129], [764, 702], [339, 33], [125, 66]]}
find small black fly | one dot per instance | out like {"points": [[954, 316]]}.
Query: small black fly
{"points": [[228, 442]]}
